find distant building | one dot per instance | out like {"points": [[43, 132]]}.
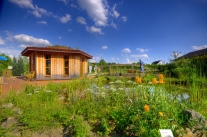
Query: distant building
{"points": [[194, 54], [159, 62]]}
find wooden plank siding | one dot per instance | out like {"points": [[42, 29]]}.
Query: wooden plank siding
{"points": [[78, 65]]}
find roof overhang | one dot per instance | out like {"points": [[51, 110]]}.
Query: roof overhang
{"points": [[27, 51]]}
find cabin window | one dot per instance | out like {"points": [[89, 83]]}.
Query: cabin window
{"points": [[66, 65], [48, 64]]}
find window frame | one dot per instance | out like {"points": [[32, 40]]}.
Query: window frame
{"points": [[46, 67], [66, 59]]}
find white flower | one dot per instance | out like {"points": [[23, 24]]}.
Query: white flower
{"points": [[29, 94], [36, 91], [129, 81], [103, 94], [112, 89], [120, 89], [48, 91], [118, 81], [61, 98]]}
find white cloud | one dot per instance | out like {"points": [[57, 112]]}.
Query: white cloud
{"points": [[36, 11], [9, 35], [36, 14], [199, 47], [96, 9], [126, 50], [42, 22], [81, 20], [65, 19], [70, 30], [104, 47], [10, 52], [94, 30], [114, 12], [113, 24], [30, 40], [23, 3], [59, 37], [64, 1], [73, 5], [115, 59], [142, 50], [127, 61], [124, 18], [95, 59], [2, 41], [23, 46], [143, 56]]}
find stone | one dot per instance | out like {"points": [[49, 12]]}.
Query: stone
{"points": [[9, 122], [196, 117], [8, 105], [17, 111]]}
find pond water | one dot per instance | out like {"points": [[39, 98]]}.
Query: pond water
{"points": [[179, 93]]}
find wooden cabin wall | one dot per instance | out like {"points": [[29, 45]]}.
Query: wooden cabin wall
{"points": [[85, 66], [77, 64], [40, 66], [74, 66]]}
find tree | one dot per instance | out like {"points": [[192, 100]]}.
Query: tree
{"points": [[175, 55], [102, 62], [20, 65], [4, 63]]}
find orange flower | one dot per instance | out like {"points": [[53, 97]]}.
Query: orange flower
{"points": [[154, 81], [160, 114], [161, 81], [146, 108], [138, 80], [161, 76]]}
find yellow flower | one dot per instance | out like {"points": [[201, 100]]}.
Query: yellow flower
{"points": [[138, 80], [154, 81], [160, 114], [146, 108]]}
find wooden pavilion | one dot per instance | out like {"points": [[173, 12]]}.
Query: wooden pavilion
{"points": [[56, 62]]}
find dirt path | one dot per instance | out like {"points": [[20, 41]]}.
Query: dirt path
{"points": [[19, 83]]}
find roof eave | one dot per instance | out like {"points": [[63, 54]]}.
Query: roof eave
{"points": [[27, 50]]}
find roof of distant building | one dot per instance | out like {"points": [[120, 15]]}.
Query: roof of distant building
{"points": [[194, 53]]}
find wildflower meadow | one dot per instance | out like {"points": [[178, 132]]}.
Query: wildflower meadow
{"points": [[101, 107]]}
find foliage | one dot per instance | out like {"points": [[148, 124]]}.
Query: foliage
{"points": [[87, 105], [4, 63], [185, 67], [20, 65], [30, 75], [59, 47]]}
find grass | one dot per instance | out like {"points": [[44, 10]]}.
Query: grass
{"points": [[120, 106]]}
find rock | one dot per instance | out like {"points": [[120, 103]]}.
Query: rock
{"points": [[9, 122], [17, 110], [194, 116], [56, 132], [197, 122], [8, 105]]}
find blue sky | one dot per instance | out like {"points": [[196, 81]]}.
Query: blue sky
{"points": [[120, 31]]}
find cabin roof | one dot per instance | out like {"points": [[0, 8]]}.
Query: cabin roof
{"points": [[28, 50]]}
